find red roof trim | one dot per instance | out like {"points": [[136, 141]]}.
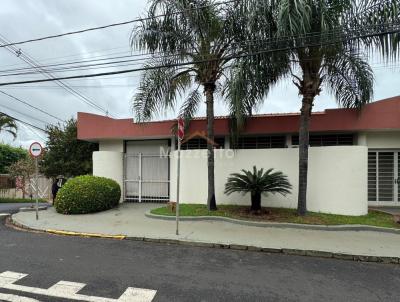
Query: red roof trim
{"points": [[380, 115]]}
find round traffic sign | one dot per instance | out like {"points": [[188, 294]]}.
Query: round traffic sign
{"points": [[35, 149]]}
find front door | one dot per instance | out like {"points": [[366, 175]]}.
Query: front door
{"points": [[383, 176]]}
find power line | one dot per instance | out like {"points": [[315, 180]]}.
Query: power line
{"points": [[26, 123], [115, 24], [289, 47], [27, 104], [25, 114], [29, 60]]}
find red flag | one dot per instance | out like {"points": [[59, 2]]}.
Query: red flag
{"points": [[181, 128]]}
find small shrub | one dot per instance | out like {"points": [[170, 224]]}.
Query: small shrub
{"points": [[87, 194], [258, 182]]}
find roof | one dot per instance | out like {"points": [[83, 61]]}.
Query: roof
{"points": [[379, 115]]}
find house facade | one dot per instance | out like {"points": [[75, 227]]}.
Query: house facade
{"points": [[354, 157]]}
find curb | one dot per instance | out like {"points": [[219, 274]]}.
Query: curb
{"points": [[284, 251], [280, 225], [66, 233]]}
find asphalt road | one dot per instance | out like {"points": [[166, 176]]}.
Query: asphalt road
{"points": [[184, 273]]}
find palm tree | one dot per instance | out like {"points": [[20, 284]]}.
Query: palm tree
{"points": [[315, 35], [258, 182], [199, 46], [8, 124]]}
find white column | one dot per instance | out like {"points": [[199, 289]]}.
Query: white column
{"points": [[109, 164]]}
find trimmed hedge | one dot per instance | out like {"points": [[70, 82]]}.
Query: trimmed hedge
{"points": [[87, 194]]}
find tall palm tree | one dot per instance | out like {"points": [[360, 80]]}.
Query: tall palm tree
{"points": [[315, 35], [194, 45], [8, 124]]}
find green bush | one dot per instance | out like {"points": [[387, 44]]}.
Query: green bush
{"points": [[87, 194]]}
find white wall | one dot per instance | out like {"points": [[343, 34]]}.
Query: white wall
{"points": [[111, 145], [381, 140], [109, 164], [337, 180]]}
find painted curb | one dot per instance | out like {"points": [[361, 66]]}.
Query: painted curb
{"points": [[66, 233], [87, 235], [280, 225], [270, 250]]}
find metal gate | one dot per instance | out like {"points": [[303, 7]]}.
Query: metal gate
{"points": [[146, 178]]}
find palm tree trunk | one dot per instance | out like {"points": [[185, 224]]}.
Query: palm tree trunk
{"points": [[303, 153], [256, 203], [211, 202]]}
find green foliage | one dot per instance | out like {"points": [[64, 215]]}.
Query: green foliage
{"points": [[87, 194], [10, 155], [373, 218], [65, 154], [8, 125], [209, 30], [258, 181]]}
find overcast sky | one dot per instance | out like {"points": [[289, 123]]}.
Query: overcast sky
{"points": [[26, 19]]}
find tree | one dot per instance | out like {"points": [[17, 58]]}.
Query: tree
{"points": [[321, 55], [65, 154], [23, 171], [8, 124], [10, 155], [258, 182], [199, 41]]}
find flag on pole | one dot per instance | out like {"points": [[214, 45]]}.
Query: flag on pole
{"points": [[181, 128]]}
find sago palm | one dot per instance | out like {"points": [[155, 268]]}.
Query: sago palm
{"points": [[325, 52], [7, 124], [258, 182], [194, 45]]}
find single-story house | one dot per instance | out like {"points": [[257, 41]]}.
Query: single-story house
{"points": [[353, 160]]}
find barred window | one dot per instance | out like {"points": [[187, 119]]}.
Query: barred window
{"points": [[319, 140], [201, 143], [260, 142]]}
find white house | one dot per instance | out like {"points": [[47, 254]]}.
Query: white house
{"points": [[353, 162]]}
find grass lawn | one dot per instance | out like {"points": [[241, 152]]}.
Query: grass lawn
{"points": [[373, 218], [19, 200]]}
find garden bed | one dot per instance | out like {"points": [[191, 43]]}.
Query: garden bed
{"points": [[373, 218]]}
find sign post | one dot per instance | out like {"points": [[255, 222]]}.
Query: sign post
{"points": [[35, 151], [181, 134]]}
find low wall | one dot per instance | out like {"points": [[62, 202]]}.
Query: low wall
{"points": [[109, 164], [337, 180]]}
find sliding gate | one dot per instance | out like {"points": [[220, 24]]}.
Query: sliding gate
{"points": [[146, 178]]}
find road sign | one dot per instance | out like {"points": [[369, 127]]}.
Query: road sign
{"points": [[35, 149], [181, 128]]}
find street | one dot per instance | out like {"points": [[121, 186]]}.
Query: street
{"points": [[106, 268]]}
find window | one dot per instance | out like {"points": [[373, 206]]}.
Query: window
{"points": [[260, 142], [319, 140], [201, 143]]}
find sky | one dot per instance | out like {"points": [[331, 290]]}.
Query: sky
{"points": [[26, 19]]}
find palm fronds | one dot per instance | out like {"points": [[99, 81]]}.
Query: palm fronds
{"points": [[258, 181], [8, 125]]}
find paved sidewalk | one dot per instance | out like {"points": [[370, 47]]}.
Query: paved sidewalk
{"points": [[130, 220]]}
